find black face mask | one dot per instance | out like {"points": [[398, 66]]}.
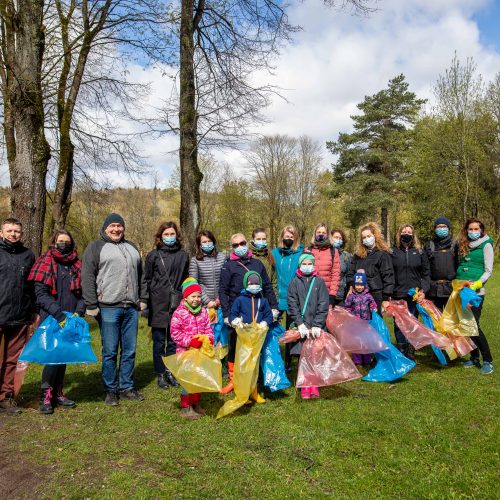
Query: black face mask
{"points": [[65, 248], [406, 239], [288, 243]]}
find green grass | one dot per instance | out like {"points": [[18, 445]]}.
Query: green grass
{"points": [[432, 435]]}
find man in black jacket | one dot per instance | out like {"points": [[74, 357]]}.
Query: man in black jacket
{"points": [[16, 306]]}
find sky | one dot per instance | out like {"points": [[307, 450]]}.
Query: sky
{"points": [[339, 58]]}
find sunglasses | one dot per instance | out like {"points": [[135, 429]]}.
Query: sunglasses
{"points": [[240, 244]]}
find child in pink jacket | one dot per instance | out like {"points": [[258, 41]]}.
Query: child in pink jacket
{"points": [[189, 320]]}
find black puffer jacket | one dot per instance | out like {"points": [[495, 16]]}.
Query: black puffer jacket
{"points": [[17, 298], [166, 268], [379, 271], [411, 270]]}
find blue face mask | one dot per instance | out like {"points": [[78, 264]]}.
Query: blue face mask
{"points": [[442, 232], [369, 242], [260, 245], [307, 269], [207, 247], [241, 251], [254, 289], [169, 240], [474, 235], [337, 243]]}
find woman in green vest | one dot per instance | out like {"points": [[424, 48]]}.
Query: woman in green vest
{"points": [[476, 266]]}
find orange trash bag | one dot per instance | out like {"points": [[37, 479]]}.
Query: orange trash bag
{"points": [[353, 334]]}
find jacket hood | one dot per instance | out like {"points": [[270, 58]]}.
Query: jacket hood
{"points": [[233, 256], [260, 252], [248, 294], [11, 247], [290, 251], [170, 249], [480, 241]]}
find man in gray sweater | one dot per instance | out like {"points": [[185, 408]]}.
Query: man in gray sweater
{"points": [[114, 290]]}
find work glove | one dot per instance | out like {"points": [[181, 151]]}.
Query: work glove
{"points": [[196, 343], [142, 306], [303, 330], [226, 322], [477, 285], [94, 312], [62, 323], [315, 331], [263, 324], [237, 322], [276, 314]]}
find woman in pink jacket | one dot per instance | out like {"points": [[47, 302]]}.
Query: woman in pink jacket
{"points": [[327, 260], [188, 322]]}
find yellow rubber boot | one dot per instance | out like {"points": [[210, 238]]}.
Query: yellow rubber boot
{"points": [[257, 397], [229, 387]]}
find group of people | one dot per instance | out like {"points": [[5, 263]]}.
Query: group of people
{"points": [[293, 283]]}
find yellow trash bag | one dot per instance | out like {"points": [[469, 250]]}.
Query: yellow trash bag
{"points": [[246, 365], [455, 320], [198, 370]]}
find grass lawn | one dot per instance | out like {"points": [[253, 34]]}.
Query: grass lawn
{"points": [[432, 435]]}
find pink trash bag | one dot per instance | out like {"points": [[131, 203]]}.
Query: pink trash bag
{"points": [[19, 376], [353, 334], [417, 334]]}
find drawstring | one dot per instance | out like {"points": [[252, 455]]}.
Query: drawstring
{"points": [[253, 310]]}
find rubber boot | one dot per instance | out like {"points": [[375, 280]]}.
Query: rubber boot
{"points": [[255, 396], [314, 392], [195, 403], [186, 408], [229, 387], [305, 392]]}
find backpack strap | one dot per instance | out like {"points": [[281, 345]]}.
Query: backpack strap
{"points": [[307, 296]]}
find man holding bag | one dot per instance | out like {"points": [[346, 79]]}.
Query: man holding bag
{"points": [[114, 291]]}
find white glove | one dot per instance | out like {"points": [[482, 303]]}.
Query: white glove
{"points": [[304, 331], [143, 306], [237, 322], [94, 312], [315, 331], [276, 314], [263, 325], [226, 321]]}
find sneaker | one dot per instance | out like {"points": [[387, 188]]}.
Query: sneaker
{"points": [[473, 362], [111, 399], [9, 406], [62, 400], [132, 395], [45, 406], [163, 382], [487, 368], [171, 379]]}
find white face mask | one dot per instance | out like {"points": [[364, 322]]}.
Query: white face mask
{"points": [[307, 269], [369, 241]]}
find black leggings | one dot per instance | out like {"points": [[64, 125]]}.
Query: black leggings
{"points": [[53, 376], [480, 340]]}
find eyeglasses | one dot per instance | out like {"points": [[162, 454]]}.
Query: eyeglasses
{"points": [[240, 244]]}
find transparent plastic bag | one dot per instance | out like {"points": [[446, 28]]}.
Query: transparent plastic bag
{"points": [[353, 334], [323, 362], [271, 362], [249, 343], [19, 376], [53, 345]]}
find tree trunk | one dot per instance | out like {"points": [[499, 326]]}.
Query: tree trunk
{"points": [[28, 165], [191, 176], [385, 221]]}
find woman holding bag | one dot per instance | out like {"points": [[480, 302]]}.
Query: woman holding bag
{"points": [[166, 268]]}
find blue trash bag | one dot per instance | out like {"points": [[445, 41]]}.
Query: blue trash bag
{"points": [[469, 296], [271, 362], [391, 364], [221, 332], [427, 321], [53, 345]]}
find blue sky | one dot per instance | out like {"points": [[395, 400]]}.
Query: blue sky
{"points": [[488, 20]]}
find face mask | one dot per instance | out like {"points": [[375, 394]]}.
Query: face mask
{"points": [[169, 240], [254, 289], [442, 232], [369, 242], [64, 248], [241, 251], [288, 243], [337, 243], [406, 239], [320, 237], [207, 247], [307, 269], [260, 245], [474, 235]]}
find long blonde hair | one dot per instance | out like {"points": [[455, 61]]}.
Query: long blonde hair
{"points": [[293, 230], [380, 242], [321, 224], [415, 243]]}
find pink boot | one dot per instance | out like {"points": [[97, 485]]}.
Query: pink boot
{"points": [[314, 392], [305, 392]]}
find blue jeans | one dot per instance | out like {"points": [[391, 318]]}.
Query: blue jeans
{"points": [[412, 307], [119, 327]]}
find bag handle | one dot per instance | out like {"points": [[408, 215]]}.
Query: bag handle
{"points": [[307, 297], [166, 273]]}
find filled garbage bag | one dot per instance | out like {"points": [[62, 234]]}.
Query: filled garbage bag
{"points": [[455, 319], [353, 334], [53, 345], [198, 370], [249, 343], [323, 362], [391, 364], [271, 363], [417, 334], [221, 332], [469, 297]]}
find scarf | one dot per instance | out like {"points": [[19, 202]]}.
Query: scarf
{"points": [[322, 244], [45, 269], [194, 310], [442, 243]]}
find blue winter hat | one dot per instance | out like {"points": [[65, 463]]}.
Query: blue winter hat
{"points": [[360, 277], [442, 220], [113, 219]]}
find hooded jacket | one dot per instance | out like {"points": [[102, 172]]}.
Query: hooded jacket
{"points": [[327, 263], [17, 298], [242, 308], [317, 305], [286, 262], [361, 304], [411, 270], [207, 273]]}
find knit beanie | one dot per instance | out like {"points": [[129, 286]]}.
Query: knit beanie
{"points": [[360, 277], [189, 286], [251, 278], [113, 219], [442, 220], [306, 256]]}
